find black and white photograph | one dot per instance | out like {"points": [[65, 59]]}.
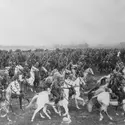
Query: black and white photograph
{"points": [[62, 62]]}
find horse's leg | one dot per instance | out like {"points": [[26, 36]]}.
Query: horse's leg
{"points": [[108, 115], [11, 108], [65, 106], [59, 110], [55, 110], [76, 102], [20, 101], [116, 108], [44, 110], [41, 115], [81, 99], [101, 116], [7, 111], [34, 114], [123, 106], [48, 111]]}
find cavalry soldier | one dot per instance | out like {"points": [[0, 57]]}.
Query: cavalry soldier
{"points": [[118, 55], [70, 65], [37, 75], [119, 64], [72, 68], [56, 89]]}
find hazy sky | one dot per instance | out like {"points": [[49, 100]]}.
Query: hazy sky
{"points": [[44, 22]]}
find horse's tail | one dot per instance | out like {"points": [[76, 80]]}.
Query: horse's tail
{"points": [[31, 102]]}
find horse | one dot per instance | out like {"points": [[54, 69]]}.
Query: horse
{"points": [[103, 99], [77, 85], [30, 81], [118, 88], [44, 96], [87, 72]]}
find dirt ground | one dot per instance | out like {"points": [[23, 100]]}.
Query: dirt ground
{"points": [[78, 117]]}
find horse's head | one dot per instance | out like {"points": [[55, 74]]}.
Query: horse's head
{"points": [[34, 69], [18, 69], [89, 71], [81, 81]]}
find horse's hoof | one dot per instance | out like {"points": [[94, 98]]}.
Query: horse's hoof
{"points": [[83, 104], [111, 118], [31, 120], [77, 107], [100, 119], [117, 114], [59, 114], [49, 117]]}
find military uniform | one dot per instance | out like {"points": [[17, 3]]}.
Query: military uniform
{"points": [[56, 89]]}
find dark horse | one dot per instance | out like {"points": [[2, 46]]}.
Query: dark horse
{"points": [[118, 89]]}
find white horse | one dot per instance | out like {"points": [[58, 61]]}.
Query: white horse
{"points": [[44, 96], [103, 99], [76, 84], [31, 80], [88, 71]]}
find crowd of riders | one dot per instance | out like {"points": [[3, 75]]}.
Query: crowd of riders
{"points": [[105, 60]]}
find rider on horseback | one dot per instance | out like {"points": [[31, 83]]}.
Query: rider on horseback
{"points": [[56, 89], [119, 65]]}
